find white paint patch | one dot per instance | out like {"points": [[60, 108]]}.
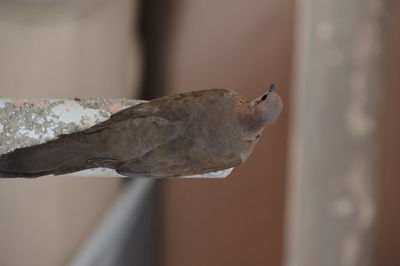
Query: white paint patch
{"points": [[3, 102], [95, 172], [50, 133], [28, 133], [105, 172], [222, 173], [72, 112]]}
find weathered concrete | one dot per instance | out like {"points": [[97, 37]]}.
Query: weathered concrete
{"points": [[26, 122]]}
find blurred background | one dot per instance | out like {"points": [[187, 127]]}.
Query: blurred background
{"points": [[319, 189]]}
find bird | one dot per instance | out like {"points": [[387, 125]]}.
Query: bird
{"points": [[185, 134]]}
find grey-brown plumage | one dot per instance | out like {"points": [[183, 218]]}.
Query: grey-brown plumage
{"points": [[184, 134]]}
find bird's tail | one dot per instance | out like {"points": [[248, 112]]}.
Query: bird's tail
{"points": [[63, 155]]}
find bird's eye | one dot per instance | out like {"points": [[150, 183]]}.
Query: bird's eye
{"points": [[264, 97]]}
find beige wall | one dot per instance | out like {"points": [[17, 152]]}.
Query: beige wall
{"points": [[68, 48], [61, 49]]}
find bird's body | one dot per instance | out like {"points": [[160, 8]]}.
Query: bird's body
{"points": [[184, 134]]}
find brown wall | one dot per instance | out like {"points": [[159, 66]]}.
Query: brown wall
{"points": [[389, 211], [244, 45]]}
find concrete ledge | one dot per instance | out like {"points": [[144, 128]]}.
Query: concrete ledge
{"points": [[26, 122]]}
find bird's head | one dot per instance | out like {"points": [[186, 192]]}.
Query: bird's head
{"points": [[267, 108]]}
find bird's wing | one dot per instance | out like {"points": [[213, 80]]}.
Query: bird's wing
{"points": [[174, 107], [137, 111], [133, 138], [141, 129], [179, 157]]}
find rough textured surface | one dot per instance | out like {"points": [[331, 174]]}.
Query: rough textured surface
{"points": [[26, 122]]}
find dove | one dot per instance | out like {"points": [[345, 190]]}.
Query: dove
{"points": [[178, 135]]}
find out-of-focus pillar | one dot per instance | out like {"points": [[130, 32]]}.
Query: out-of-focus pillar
{"points": [[334, 153]]}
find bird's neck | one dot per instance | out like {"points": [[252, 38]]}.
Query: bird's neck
{"points": [[251, 122]]}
